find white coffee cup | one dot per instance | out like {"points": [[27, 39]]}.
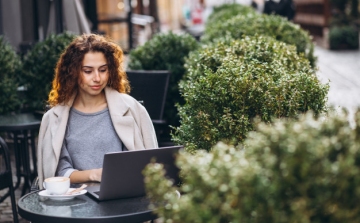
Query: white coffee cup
{"points": [[57, 185]]}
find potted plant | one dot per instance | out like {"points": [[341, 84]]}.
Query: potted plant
{"points": [[231, 82], [10, 65], [344, 30], [38, 69], [304, 170], [343, 37]]}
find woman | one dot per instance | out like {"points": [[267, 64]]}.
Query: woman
{"points": [[90, 114]]}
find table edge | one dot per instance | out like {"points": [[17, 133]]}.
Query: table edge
{"points": [[32, 216]]}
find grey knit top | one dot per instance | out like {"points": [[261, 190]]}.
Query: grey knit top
{"points": [[88, 137]]}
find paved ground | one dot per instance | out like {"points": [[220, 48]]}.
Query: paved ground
{"points": [[341, 68]]}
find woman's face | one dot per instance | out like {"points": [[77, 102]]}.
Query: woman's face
{"points": [[94, 74]]}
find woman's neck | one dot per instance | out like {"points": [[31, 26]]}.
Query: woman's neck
{"points": [[90, 104]]}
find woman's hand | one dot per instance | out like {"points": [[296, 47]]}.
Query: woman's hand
{"points": [[95, 175], [86, 176]]}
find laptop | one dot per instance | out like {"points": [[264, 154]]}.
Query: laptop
{"points": [[122, 172]]}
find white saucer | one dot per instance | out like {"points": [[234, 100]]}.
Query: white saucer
{"points": [[44, 193]]}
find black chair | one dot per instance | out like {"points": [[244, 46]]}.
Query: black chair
{"points": [[6, 180], [150, 87], [24, 137]]}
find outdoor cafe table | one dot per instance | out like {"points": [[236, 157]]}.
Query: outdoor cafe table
{"points": [[22, 129], [84, 208]]}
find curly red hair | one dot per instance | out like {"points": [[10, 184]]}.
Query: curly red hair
{"points": [[68, 67]]}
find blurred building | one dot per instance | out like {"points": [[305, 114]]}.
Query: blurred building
{"points": [[25, 22], [314, 16], [128, 22]]}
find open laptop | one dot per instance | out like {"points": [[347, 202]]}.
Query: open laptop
{"points": [[122, 172]]}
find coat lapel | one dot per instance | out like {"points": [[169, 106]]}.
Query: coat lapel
{"points": [[118, 109]]}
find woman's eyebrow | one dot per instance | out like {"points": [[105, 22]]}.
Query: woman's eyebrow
{"points": [[93, 67]]}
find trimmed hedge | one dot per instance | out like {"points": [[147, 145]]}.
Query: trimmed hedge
{"points": [[230, 83], [10, 65], [290, 171], [38, 68], [225, 12], [268, 25]]}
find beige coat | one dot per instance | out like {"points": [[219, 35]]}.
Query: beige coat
{"points": [[130, 119]]}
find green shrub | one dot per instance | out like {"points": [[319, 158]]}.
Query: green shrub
{"points": [[290, 171], [227, 11], [229, 83], [10, 65], [269, 25], [38, 68], [165, 52], [344, 37]]}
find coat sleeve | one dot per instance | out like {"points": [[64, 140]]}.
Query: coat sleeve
{"points": [[147, 129], [43, 129]]}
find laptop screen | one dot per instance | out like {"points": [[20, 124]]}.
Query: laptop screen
{"points": [[122, 171]]}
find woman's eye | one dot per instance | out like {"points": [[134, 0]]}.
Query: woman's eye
{"points": [[87, 71], [104, 70]]}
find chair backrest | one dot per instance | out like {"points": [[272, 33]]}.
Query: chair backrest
{"points": [[151, 88]]}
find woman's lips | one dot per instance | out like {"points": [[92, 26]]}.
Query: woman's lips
{"points": [[95, 87]]}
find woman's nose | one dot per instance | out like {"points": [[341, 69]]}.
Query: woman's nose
{"points": [[96, 76]]}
